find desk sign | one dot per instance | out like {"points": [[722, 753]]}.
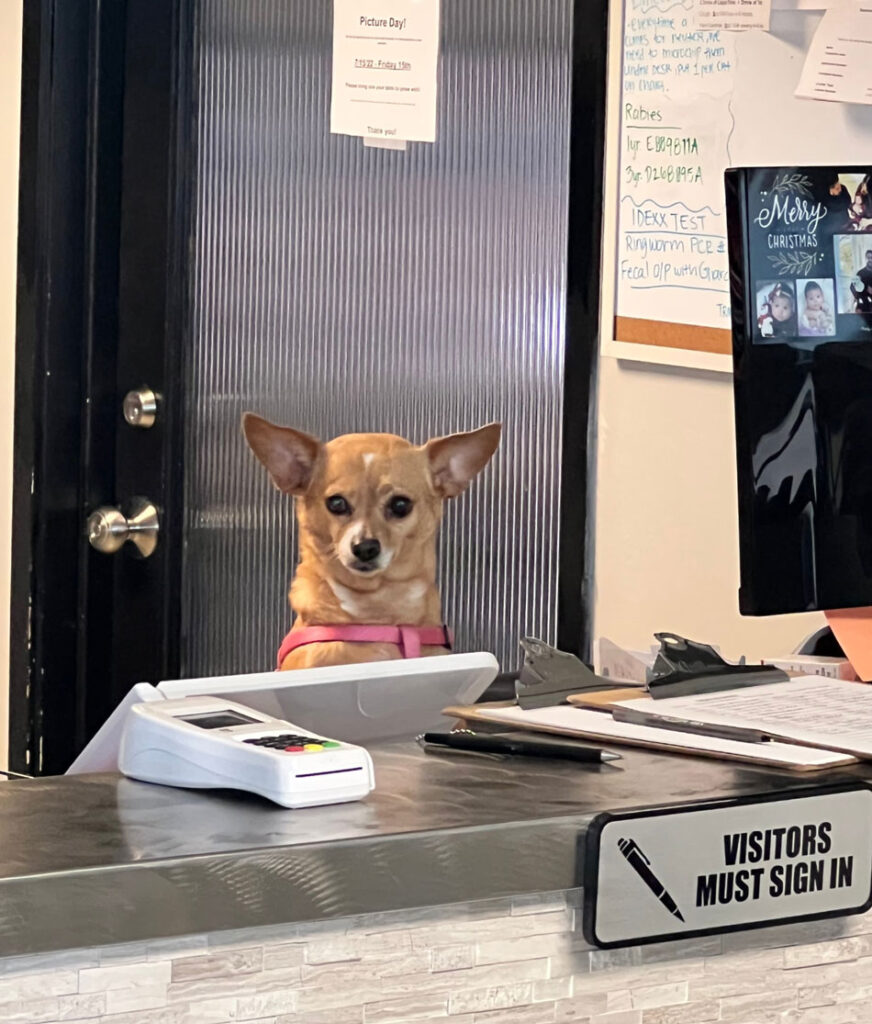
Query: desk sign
{"points": [[725, 865]]}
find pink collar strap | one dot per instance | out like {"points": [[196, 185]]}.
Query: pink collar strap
{"points": [[410, 639]]}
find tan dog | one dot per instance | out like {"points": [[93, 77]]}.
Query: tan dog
{"points": [[368, 508]]}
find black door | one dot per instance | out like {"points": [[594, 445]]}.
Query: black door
{"points": [[154, 167], [101, 248]]}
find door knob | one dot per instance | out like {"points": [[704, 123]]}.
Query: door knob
{"points": [[140, 407], [108, 528]]}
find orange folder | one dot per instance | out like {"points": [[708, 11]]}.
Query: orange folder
{"points": [[853, 629]]}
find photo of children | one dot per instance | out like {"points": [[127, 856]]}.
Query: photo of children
{"points": [[853, 273], [816, 308], [776, 310]]}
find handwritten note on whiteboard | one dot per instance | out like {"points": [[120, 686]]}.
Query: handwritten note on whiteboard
{"points": [[675, 128]]}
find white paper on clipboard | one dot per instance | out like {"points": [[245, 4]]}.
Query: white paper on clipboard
{"points": [[807, 709], [600, 726]]}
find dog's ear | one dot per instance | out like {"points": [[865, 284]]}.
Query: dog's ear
{"points": [[456, 460], [289, 455]]}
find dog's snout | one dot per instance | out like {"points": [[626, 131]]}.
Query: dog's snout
{"points": [[366, 550]]}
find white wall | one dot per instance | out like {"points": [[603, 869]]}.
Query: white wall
{"points": [[666, 543], [10, 102]]}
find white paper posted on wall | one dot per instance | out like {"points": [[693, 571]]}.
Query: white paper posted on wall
{"points": [[839, 58], [733, 15], [385, 59]]}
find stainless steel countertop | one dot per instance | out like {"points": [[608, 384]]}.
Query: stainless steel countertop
{"points": [[97, 859]]}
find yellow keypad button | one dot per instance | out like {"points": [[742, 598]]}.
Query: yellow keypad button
{"points": [[312, 746]]}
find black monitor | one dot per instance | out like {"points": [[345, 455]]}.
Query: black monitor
{"points": [[800, 249]]}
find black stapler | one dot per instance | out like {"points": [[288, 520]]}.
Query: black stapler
{"points": [[549, 676], [684, 667]]}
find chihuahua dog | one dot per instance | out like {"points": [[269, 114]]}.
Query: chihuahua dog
{"points": [[368, 508]]}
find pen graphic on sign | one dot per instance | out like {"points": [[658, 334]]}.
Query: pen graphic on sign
{"points": [[642, 866]]}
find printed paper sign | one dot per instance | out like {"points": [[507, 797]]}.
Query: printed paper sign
{"points": [[837, 65], [384, 69], [733, 15], [716, 868]]}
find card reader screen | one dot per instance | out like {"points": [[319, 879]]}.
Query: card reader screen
{"points": [[218, 719]]}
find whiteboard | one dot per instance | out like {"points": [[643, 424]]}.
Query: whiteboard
{"points": [[677, 310]]}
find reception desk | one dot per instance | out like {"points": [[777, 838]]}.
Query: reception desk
{"points": [[452, 892]]}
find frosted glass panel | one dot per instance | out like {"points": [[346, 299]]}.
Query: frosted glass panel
{"points": [[341, 288]]}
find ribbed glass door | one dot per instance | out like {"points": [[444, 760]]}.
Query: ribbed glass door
{"points": [[343, 288]]}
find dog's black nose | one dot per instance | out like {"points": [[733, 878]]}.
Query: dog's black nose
{"points": [[366, 550]]}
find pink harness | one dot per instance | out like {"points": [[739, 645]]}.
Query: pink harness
{"points": [[410, 639]]}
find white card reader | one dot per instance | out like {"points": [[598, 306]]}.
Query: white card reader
{"points": [[214, 743]]}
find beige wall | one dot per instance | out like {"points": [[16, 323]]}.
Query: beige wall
{"points": [[10, 101], [666, 545], [666, 532]]}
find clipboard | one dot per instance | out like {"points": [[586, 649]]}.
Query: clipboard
{"points": [[839, 716], [599, 726]]}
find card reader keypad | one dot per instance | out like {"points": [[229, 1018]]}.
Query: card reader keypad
{"points": [[293, 743]]}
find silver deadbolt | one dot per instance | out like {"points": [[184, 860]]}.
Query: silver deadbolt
{"points": [[140, 407], [108, 528]]}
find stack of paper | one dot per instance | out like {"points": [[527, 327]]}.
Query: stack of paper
{"points": [[587, 723], [825, 713]]}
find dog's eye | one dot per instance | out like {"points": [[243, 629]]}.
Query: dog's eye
{"points": [[399, 507], [337, 505]]}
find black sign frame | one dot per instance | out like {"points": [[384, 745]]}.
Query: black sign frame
{"points": [[589, 861]]}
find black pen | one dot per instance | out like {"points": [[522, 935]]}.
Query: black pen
{"points": [[494, 744], [641, 865]]}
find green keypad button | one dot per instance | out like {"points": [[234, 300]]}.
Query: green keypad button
{"points": [[328, 744]]}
